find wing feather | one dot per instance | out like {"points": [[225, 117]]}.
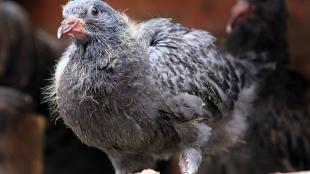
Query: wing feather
{"points": [[186, 61]]}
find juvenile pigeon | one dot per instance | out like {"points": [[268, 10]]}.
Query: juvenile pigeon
{"points": [[145, 91]]}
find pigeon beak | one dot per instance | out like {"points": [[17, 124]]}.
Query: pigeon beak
{"points": [[238, 11], [73, 27]]}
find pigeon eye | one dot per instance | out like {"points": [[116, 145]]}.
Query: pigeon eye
{"points": [[94, 11]]}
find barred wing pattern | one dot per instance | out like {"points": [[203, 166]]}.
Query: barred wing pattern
{"points": [[187, 65]]}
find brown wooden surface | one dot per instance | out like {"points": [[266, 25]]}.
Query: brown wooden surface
{"points": [[21, 134]]}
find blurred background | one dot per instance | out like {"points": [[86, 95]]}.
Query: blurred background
{"points": [[211, 15], [32, 140]]}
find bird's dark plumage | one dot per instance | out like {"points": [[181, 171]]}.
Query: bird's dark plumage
{"points": [[278, 137], [145, 91]]}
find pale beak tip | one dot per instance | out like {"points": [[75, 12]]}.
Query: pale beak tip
{"points": [[228, 29], [59, 33]]}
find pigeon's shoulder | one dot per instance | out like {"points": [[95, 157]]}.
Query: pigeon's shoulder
{"points": [[152, 29]]}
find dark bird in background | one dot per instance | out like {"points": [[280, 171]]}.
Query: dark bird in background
{"points": [[146, 91], [26, 53], [278, 135], [16, 47], [21, 128]]}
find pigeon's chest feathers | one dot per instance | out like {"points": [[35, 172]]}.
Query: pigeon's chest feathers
{"points": [[99, 108]]}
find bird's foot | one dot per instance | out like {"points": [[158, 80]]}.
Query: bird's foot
{"points": [[190, 161], [148, 171]]}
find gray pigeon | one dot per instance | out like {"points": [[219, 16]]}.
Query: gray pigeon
{"points": [[146, 91]]}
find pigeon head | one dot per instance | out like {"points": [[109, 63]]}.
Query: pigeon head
{"points": [[88, 19], [266, 10], [269, 10], [259, 26]]}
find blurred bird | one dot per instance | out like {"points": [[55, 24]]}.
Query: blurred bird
{"points": [[146, 91], [259, 26], [25, 53], [278, 137], [16, 47]]}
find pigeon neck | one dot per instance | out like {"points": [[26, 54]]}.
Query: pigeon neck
{"points": [[100, 45]]}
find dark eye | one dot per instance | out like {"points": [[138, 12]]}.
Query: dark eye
{"points": [[94, 11]]}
